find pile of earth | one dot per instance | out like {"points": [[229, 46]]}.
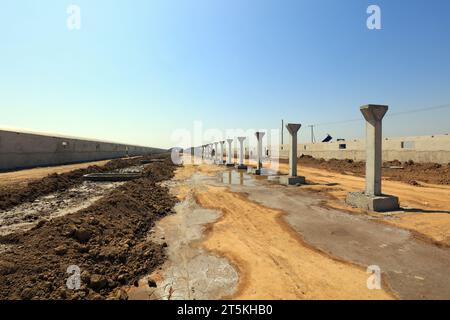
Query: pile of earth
{"points": [[11, 196], [106, 241], [409, 172]]}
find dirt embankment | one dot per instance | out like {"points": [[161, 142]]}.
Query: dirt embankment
{"points": [[409, 172], [107, 241], [12, 195]]}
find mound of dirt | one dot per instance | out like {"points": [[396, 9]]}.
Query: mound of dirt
{"points": [[409, 172], [11, 196], [106, 241]]}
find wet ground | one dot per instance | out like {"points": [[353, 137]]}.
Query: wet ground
{"points": [[25, 216], [28, 214], [190, 272]]}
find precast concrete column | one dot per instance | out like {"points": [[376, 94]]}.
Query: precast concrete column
{"points": [[230, 159], [293, 178], [259, 137], [241, 153], [293, 129], [215, 152], [373, 115], [241, 150], [372, 198], [221, 151]]}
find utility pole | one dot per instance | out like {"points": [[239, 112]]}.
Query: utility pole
{"points": [[313, 138]]}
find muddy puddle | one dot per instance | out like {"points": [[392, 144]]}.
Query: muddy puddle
{"points": [[26, 215], [190, 272], [236, 177]]}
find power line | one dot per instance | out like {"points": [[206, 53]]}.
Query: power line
{"points": [[393, 114]]}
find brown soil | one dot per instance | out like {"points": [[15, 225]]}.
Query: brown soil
{"points": [[14, 194], [409, 172], [107, 241]]}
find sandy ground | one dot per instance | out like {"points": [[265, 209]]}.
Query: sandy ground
{"points": [[426, 209], [272, 260], [24, 176]]}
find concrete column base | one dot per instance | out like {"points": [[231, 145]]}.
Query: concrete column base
{"points": [[241, 167], [382, 203], [292, 181]]}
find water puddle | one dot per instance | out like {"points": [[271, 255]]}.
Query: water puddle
{"points": [[190, 272], [236, 177]]}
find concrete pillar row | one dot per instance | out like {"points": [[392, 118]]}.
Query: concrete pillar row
{"points": [[241, 165], [230, 157], [372, 198], [292, 178]]}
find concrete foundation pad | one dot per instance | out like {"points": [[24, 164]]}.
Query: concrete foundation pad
{"points": [[382, 203], [241, 167], [289, 180]]}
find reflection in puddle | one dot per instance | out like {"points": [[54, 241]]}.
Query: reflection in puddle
{"points": [[269, 172], [236, 177]]}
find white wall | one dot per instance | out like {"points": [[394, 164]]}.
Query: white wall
{"points": [[417, 148], [20, 149]]}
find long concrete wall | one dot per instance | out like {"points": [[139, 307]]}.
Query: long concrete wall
{"points": [[418, 149], [21, 149]]}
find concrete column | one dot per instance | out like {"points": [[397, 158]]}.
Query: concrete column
{"points": [[373, 115], [257, 170], [292, 178], [241, 165], [221, 152], [230, 157], [293, 129], [216, 153], [372, 198], [259, 136]]}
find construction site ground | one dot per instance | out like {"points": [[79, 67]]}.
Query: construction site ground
{"points": [[204, 231]]}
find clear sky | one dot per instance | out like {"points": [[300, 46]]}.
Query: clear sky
{"points": [[138, 70]]}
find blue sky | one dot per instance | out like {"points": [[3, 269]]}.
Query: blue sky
{"points": [[138, 70]]}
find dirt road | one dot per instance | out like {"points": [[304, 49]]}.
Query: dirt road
{"points": [[285, 244], [270, 258]]}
